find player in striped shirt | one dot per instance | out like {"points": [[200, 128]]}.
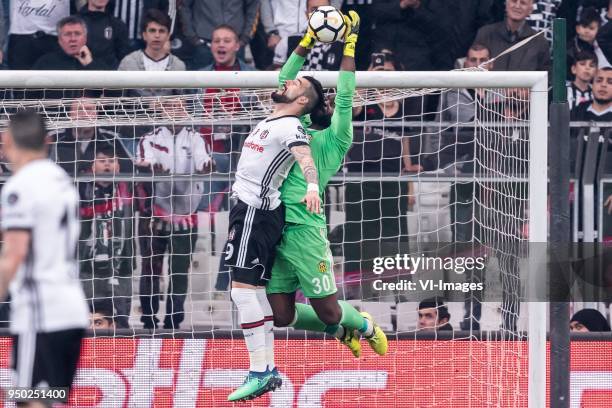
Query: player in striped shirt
{"points": [[257, 218]]}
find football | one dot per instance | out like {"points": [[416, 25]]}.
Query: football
{"points": [[327, 24]]}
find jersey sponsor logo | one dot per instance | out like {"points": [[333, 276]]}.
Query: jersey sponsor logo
{"points": [[301, 130], [264, 134], [323, 267], [108, 33], [12, 198], [254, 146]]}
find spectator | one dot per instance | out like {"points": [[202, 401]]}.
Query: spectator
{"points": [[106, 247], [102, 315], [376, 211], [132, 13], [156, 56], [497, 37], [586, 33], [583, 69], [434, 315], [74, 149], [422, 30], [600, 108], [201, 17], [173, 226], [107, 36], [589, 320], [33, 30], [74, 54]]}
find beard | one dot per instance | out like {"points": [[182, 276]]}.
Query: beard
{"points": [[602, 101], [278, 97]]}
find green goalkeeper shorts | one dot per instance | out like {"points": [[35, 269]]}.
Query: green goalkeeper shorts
{"points": [[303, 261]]}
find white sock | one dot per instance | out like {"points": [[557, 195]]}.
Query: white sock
{"points": [[268, 325], [252, 323]]}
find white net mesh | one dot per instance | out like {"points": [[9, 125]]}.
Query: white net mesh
{"points": [[428, 167]]}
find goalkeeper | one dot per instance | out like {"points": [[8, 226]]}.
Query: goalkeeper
{"points": [[303, 257]]}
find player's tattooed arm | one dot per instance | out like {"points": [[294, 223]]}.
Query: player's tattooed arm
{"points": [[304, 158]]}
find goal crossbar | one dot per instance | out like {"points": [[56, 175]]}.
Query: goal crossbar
{"points": [[265, 79]]}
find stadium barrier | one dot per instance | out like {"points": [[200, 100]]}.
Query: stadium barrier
{"points": [[193, 373]]}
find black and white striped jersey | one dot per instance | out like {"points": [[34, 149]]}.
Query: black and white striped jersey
{"points": [[575, 96], [46, 294], [265, 161]]}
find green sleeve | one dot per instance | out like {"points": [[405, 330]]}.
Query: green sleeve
{"points": [[342, 119], [290, 68]]}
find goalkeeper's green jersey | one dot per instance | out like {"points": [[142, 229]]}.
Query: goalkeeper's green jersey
{"points": [[328, 146]]}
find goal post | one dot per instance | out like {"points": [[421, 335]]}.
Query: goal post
{"points": [[500, 195]]}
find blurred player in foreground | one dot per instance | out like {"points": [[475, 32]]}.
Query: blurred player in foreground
{"points": [[257, 219], [304, 259], [40, 225]]}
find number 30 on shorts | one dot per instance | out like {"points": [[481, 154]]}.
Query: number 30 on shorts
{"points": [[322, 283]]}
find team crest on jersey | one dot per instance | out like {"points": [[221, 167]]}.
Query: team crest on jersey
{"points": [[12, 198], [264, 134], [323, 267], [231, 234], [108, 33]]}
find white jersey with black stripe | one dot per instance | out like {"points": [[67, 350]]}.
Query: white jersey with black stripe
{"points": [[46, 294], [265, 161]]}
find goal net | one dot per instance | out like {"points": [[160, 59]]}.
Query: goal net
{"points": [[428, 219]]}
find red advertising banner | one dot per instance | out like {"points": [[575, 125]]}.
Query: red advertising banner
{"points": [[194, 373]]}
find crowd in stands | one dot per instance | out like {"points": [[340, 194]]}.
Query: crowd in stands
{"points": [[245, 35]]}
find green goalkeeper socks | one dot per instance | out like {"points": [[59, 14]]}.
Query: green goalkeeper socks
{"points": [[306, 319]]}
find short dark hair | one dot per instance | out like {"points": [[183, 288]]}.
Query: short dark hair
{"points": [[71, 20], [105, 148], [585, 55], [227, 27], [479, 47], [155, 16], [436, 303], [103, 307], [28, 130], [315, 95], [588, 16]]}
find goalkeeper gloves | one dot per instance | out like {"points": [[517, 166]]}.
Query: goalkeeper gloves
{"points": [[308, 41], [352, 31]]}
